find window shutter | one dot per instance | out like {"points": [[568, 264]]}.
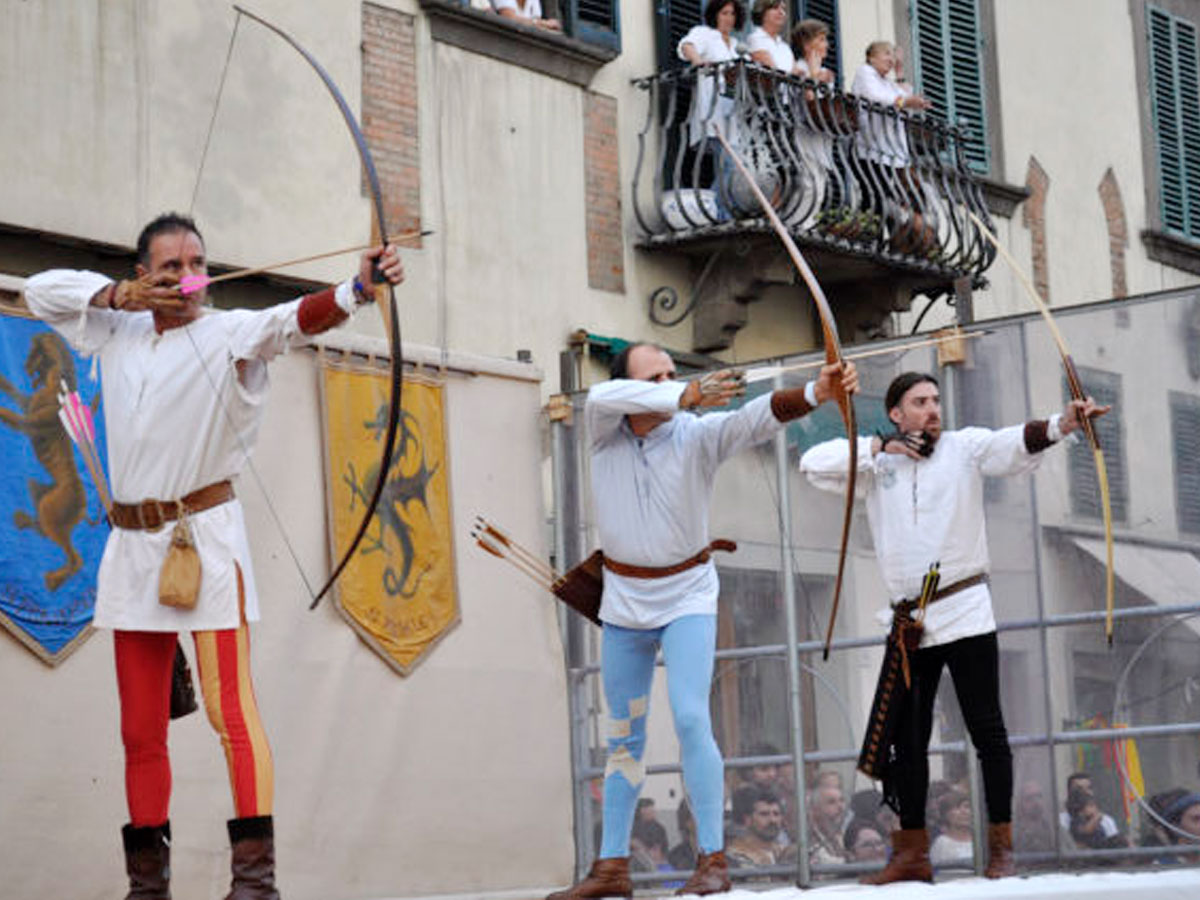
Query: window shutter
{"points": [[673, 19], [1105, 387], [1175, 100], [826, 11], [948, 68], [597, 22], [1185, 441]]}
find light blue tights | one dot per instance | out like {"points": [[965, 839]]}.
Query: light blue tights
{"points": [[627, 664]]}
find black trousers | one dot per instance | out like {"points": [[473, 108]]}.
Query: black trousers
{"points": [[974, 664]]}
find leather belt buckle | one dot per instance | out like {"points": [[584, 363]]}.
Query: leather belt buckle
{"points": [[151, 523]]}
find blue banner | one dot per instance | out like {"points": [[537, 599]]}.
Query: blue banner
{"points": [[52, 524]]}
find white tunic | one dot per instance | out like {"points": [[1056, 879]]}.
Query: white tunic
{"points": [[776, 47], [177, 418], [651, 494], [927, 511], [531, 10]]}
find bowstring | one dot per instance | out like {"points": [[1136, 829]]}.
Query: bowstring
{"points": [[274, 513]]}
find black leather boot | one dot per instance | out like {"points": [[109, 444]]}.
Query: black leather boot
{"points": [[253, 859], [148, 861]]}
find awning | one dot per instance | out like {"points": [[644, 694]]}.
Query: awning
{"points": [[1163, 576]]}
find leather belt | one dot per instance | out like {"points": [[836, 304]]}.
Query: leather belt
{"points": [[632, 571], [150, 515], [908, 606]]}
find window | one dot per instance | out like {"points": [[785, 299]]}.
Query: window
{"points": [[1185, 442], [1105, 387], [594, 21], [672, 20], [947, 45], [1175, 108]]}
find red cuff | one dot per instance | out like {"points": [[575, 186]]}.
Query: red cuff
{"points": [[320, 312]]}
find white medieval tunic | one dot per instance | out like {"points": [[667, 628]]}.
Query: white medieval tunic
{"points": [[177, 418], [931, 510], [651, 494]]}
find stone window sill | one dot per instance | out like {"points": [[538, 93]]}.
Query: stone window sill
{"points": [[1172, 250], [1003, 199], [486, 33]]}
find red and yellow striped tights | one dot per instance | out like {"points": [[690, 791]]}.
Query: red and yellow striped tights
{"points": [[144, 665]]}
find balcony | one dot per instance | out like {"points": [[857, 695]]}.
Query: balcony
{"points": [[876, 197]]}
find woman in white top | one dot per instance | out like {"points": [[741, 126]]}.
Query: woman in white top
{"points": [[810, 40], [712, 42], [884, 140], [766, 42]]}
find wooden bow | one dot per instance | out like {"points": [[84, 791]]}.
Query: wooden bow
{"points": [[833, 354], [1076, 387]]}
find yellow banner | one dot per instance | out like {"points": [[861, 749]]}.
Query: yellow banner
{"points": [[398, 592]]}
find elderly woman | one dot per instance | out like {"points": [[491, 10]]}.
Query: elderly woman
{"points": [[707, 44]]}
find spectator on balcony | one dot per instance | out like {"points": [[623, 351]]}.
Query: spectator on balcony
{"points": [[766, 42], [709, 44], [526, 12], [891, 189], [810, 41], [815, 129]]}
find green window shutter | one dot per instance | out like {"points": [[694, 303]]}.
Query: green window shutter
{"points": [[948, 68], [825, 11], [1175, 101], [1185, 442], [672, 20], [1105, 387], [596, 21]]}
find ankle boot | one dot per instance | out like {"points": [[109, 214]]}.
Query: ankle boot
{"points": [[148, 861], [711, 875], [1000, 851], [608, 878], [252, 840], [910, 859]]}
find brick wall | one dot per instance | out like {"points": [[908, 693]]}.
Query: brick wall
{"points": [[389, 113], [602, 173], [1118, 235], [1033, 215]]}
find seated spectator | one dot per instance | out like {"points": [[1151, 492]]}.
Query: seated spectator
{"points": [[933, 815], [646, 811], [766, 44], [826, 819], [683, 855], [763, 775], [1081, 782], [526, 12], [1184, 814], [1031, 826], [1154, 832], [1087, 823], [863, 842], [648, 847], [953, 843], [760, 816]]}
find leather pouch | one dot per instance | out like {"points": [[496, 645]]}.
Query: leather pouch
{"points": [[179, 580]]}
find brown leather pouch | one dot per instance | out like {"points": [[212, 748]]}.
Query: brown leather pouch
{"points": [[179, 580]]}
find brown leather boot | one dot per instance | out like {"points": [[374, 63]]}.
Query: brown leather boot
{"points": [[252, 840], [711, 875], [1000, 852], [608, 878], [910, 859], [148, 861]]}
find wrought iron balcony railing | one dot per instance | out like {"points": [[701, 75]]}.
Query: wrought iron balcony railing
{"points": [[845, 174]]}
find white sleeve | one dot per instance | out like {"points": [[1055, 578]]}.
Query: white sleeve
{"points": [[758, 40], [1001, 452], [62, 299], [695, 37], [871, 85], [264, 334], [826, 465], [728, 433], [609, 402]]}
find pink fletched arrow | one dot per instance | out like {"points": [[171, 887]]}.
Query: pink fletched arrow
{"points": [[77, 421]]}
